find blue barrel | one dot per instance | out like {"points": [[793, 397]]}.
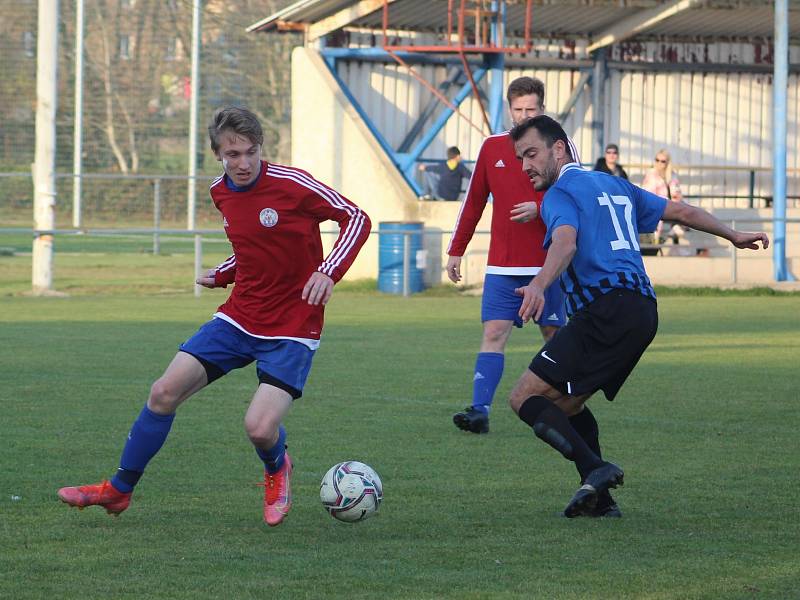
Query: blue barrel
{"points": [[391, 236]]}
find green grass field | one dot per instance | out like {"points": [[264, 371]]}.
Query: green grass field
{"points": [[706, 429]]}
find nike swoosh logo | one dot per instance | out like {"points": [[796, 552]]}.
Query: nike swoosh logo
{"points": [[544, 355]]}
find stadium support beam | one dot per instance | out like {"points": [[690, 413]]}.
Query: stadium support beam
{"points": [[406, 162], [598, 103], [779, 93], [577, 92], [496, 64], [343, 17], [44, 165], [430, 107], [638, 23]]}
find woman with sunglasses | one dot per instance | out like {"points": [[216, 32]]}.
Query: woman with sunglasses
{"points": [[663, 181]]}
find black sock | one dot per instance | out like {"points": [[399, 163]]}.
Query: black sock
{"points": [[586, 426], [551, 425]]}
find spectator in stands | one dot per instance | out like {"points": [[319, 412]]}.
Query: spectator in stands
{"points": [[608, 163], [662, 180], [443, 180]]}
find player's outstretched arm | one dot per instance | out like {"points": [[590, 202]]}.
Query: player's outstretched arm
{"points": [[697, 218], [318, 289]]}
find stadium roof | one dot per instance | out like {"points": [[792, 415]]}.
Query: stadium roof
{"points": [[585, 19]]}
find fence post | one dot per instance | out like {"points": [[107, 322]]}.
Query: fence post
{"points": [[752, 186], [734, 274], [406, 259], [198, 262], [156, 215]]}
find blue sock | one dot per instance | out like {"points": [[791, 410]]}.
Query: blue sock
{"points": [[273, 458], [145, 439], [488, 371]]}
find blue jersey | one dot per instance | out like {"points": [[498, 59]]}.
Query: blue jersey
{"points": [[608, 213]]}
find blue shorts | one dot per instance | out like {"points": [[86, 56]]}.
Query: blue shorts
{"points": [[500, 303], [221, 347]]}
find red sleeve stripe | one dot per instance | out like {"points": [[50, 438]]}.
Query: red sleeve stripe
{"points": [[354, 226], [228, 263]]}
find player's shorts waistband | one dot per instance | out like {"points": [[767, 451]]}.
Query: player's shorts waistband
{"points": [[494, 270]]}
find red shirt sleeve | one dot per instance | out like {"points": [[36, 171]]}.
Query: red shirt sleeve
{"points": [[472, 206], [225, 272], [354, 227]]}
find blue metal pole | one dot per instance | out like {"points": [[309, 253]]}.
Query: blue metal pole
{"points": [[407, 161], [779, 87], [496, 63], [383, 55], [330, 60]]}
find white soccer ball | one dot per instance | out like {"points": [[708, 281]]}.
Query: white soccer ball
{"points": [[351, 491]]}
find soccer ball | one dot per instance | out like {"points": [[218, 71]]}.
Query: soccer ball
{"points": [[351, 491]]}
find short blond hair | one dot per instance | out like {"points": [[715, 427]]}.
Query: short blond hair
{"points": [[239, 120]]}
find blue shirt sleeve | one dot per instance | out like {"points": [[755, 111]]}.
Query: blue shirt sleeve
{"points": [[649, 209], [559, 209]]}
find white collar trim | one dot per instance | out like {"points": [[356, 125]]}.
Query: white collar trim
{"points": [[569, 167]]}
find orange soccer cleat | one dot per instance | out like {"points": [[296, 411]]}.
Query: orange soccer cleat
{"points": [[278, 493], [102, 494]]}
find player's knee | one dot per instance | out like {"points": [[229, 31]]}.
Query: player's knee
{"points": [[571, 405], [495, 333], [262, 432], [164, 398], [529, 385]]}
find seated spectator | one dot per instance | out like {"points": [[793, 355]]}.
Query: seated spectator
{"points": [[662, 180], [608, 163], [442, 181]]}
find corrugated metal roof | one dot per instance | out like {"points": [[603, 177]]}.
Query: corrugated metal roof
{"points": [[304, 11], [568, 19]]}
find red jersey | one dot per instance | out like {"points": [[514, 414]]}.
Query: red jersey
{"points": [[514, 248], [273, 226]]}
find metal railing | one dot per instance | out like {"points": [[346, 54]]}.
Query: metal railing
{"points": [[198, 235]]}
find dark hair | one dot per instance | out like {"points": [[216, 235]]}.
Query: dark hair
{"points": [[525, 86], [613, 147], [239, 120], [548, 128], [453, 151]]}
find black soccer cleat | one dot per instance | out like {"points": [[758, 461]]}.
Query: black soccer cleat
{"points": [[586, 501], [472, 420], [606, 507]]}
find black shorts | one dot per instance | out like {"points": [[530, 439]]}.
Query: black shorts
{"points": [[600, 345]]}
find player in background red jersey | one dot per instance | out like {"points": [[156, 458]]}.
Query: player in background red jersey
{"points": [[516, 251], [274, 315]]}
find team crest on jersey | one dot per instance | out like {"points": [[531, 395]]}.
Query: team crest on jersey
{"points": [[268, 217]]}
